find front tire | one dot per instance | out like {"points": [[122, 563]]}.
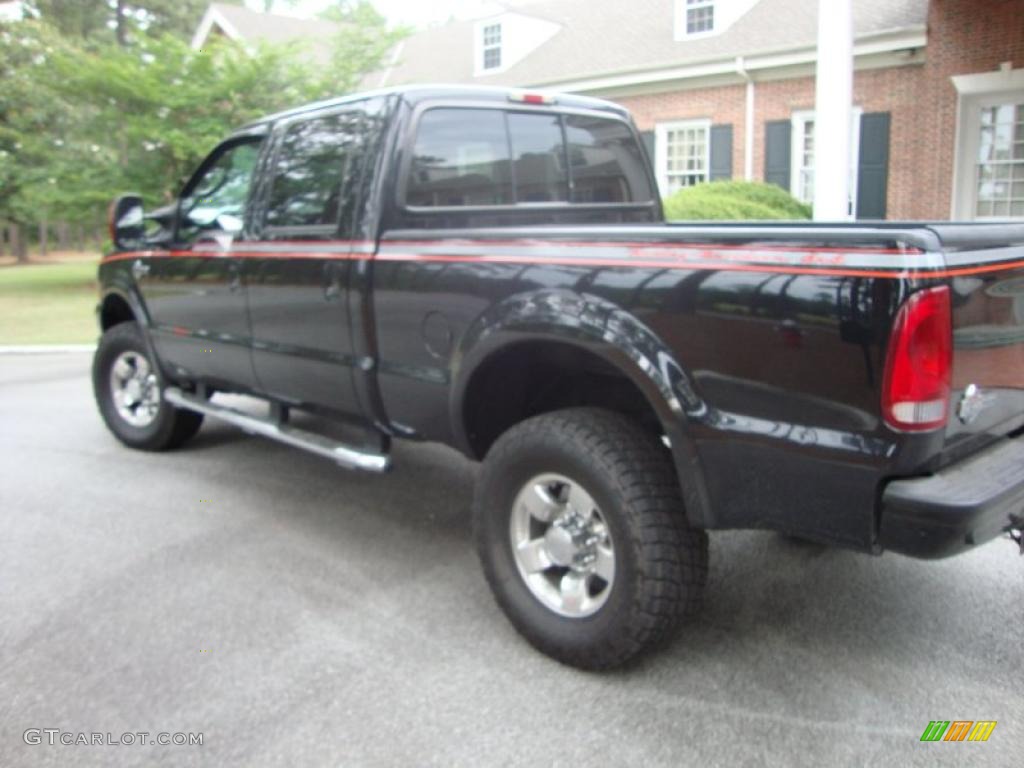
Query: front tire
{"points": [[579, 525], [127, 390]]}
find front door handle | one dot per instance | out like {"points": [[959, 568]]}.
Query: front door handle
{"points": [[139, 269]]}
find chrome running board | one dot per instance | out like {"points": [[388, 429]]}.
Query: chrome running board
{"points": [[345, 455]]}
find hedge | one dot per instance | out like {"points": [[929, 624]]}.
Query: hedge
{"points": [[734, 201]]}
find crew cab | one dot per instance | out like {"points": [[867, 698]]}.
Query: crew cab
{"points": [[490, 269]]}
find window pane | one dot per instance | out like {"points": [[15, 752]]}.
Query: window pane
{"points": [[307, 182], [492, 46], [686, 150], [607, 166], [460, 158], [1000, 180], [700, 18], [219, 196], [539, 155]]}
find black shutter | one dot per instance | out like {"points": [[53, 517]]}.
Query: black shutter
{"points": [[721, 152], [873, 166], [777, 148], [647, 137]]}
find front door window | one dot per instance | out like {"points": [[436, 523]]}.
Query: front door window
{"points": [[214, 202]]}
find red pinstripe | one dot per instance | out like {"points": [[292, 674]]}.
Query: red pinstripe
{"points": [[706, 263]]}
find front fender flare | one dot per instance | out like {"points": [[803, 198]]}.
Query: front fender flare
{"points": [[126, 291]]}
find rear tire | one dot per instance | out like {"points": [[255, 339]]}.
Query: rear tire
{"points": [[127, 390], [579, 525]]}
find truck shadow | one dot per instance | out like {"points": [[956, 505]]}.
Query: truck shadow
{"points": [[776, 609]]}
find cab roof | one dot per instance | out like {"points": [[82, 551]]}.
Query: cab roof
{"points": [[413, 94]]}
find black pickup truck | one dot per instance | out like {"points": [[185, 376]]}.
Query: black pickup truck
{"points": [[490, 269]]}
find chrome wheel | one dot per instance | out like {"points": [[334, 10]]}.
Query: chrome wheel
{"points": [[134, 389], [562, 546]]}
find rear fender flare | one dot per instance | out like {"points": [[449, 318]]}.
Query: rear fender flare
{"points": [[606, 330]]}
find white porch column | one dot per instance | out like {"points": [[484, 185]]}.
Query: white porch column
{"points": [[832, 111]]}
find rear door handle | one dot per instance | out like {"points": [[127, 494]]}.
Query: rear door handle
{"points": [[139, 269], [332, 282]]}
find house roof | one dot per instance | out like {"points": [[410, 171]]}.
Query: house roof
{"points": [[240, 23], [608, 37]]}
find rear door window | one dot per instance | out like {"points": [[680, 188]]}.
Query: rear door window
{"points": [[310, 172]]}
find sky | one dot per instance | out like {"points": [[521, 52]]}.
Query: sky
{"points": [[418, 13]]}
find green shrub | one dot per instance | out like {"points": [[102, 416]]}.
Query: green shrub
{"points": [[734, 201]]}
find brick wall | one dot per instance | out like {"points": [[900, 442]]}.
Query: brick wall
{"points": [[893, 90], [964, 36], [724, 105]]}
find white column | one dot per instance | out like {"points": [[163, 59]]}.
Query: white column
{"points": [[832, 110], [748, 135]]}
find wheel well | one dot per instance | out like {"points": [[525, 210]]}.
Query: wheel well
{"points": [[528, 379], [115, 310]]}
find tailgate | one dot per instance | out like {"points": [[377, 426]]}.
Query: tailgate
{"points": [[986, 268]]}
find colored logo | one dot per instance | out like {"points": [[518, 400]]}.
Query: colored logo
{"points": [[958, 730]]}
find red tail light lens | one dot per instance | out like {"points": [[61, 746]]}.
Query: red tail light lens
{"points": [[916, 388]]}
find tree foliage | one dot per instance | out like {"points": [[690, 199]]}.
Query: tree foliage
{"points": [[99, 21], [84, 118]]}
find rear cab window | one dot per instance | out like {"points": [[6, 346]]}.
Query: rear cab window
{"points": [[467, 157]]}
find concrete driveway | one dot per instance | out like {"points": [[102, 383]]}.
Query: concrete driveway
{"points": [[298, 615]]}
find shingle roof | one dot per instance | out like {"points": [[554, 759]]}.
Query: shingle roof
{"points": [[252, 26], [601, 37]]}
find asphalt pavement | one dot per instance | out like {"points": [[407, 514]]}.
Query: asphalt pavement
{"points": [[296, 614]]}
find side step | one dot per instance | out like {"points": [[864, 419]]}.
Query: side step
{"points": [[346, 456]]}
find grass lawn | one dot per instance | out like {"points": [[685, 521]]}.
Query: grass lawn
{"points": [[48, 303]]}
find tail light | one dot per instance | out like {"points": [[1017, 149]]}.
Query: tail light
{"points": [[916, 387]]}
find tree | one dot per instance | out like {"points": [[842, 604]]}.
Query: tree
{"points": [[83, 118], [81, 19], [362, 44], [100, 21], [32, 121]]}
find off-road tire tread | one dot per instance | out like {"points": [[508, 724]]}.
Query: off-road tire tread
{"points": [[672, 558], [177, 424]]}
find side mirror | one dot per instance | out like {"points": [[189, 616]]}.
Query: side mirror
{"points": [[127, 223]]}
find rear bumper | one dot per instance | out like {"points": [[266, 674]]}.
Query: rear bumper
{"points": [[957, 508]]}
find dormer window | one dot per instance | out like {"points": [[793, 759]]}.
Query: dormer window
{"points": [[700, 17], [501, 42], [491, 46]]}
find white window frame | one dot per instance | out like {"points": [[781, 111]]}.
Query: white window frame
{"points": [[1014, 100], [683, 8], [661, 131], [799, 121], [485, 47], [977, 91]]}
